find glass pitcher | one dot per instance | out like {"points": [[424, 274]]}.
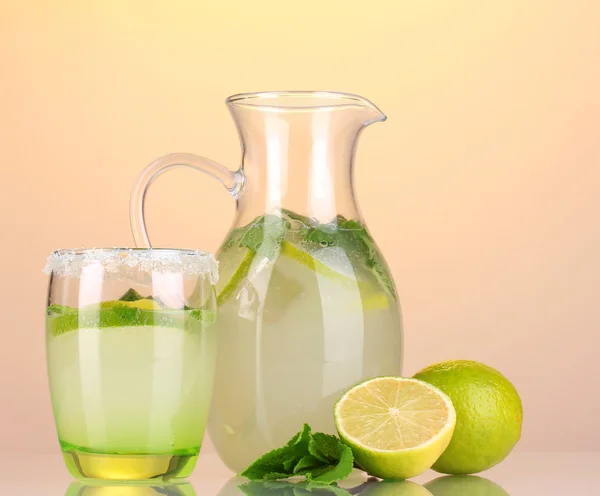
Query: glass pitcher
{"points": [[306, 304]]}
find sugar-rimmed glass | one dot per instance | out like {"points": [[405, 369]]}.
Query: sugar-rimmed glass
{"points": [[130, 350]]}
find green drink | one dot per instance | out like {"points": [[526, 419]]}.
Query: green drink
{"points": [[131, 383]]}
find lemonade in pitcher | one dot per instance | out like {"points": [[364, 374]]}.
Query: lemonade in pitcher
{"points": [[304, 310]]}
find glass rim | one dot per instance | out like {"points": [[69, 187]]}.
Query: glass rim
{"points": [[120, 260], [88, 251]]}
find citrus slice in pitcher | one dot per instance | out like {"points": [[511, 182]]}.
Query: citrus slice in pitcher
{"points": [[233, 269]]}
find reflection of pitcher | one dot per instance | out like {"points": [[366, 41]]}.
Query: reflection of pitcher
{"points": [[307, 306]]}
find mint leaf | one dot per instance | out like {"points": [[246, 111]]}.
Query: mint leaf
{"points": [[307, 221], [331, 451], [340, 471], [131, 295], [263, 236], [325, 447], [321, 458], [272, 465], [302, 438], [373, 259], [289, 465], [324, 235], [305, 464]]}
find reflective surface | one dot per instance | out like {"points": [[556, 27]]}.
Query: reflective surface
{"points": [[522, 474]]}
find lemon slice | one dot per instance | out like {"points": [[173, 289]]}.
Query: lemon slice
{"points": [[309, 260], [234, 268], [397, 427], [143, 303], [372, 298], [238, 264]]}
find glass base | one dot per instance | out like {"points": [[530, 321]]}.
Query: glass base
{"points": [[84, 465]]}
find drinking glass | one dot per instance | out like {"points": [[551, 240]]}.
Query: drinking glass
{"points": [[130, 348]]}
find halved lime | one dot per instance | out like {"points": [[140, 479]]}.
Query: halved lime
{"points": [[397, 427]]}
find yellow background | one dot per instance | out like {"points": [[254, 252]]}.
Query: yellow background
{"points": [[482, 189]]}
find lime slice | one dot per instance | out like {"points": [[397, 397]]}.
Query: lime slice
{"points": [[234, 265], [143, 303], [308, 260], [372, 298], [62, 319], [397, 428]]}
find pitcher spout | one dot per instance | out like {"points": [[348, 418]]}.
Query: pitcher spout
{"points": [[373, 113]]}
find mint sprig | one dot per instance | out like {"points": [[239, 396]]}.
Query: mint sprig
{"points": [[264, 235], [320, 458]]}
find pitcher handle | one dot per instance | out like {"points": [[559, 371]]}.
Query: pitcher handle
{"points": [[233, 182]]}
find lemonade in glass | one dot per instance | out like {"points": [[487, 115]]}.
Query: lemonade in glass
{"points": [[130, 351]]}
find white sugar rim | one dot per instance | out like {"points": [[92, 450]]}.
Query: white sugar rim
{"points": [[70, 263]]}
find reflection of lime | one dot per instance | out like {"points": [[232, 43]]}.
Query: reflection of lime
{"points": [[464, 485], [394, 488], [396, 427], [489, 415]]}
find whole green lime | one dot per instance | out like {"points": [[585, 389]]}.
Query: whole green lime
{"points": [[489, 415]]}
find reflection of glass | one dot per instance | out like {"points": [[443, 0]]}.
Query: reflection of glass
{"points": [[83, 489], [307, 305], [130, 350], [464, 485]]}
